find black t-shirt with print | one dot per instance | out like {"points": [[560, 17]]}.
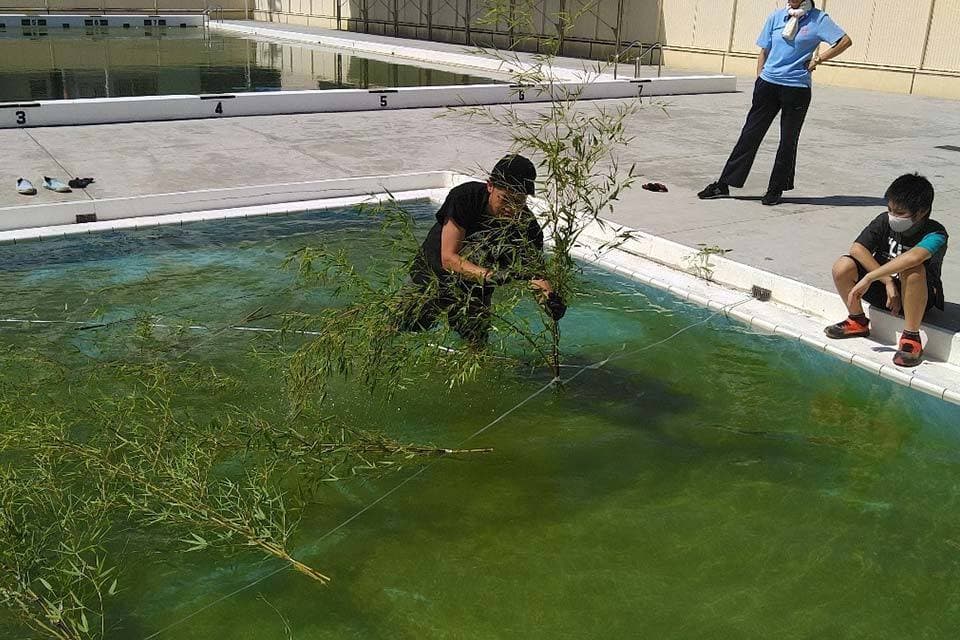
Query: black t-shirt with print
{"points": [[886, 244], [514, 245]]}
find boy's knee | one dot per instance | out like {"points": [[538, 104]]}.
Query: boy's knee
{"points": [[917, 274], [844, 266]]}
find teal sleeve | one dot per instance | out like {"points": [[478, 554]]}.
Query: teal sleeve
{"points": [[933, 242]]}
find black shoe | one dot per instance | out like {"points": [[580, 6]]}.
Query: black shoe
{"points": [[848, 328], [772, 197], [714, 190], [909, 352]]}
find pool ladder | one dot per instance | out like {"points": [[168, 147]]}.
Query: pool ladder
{"points": [[213, 12], [644, 50]]}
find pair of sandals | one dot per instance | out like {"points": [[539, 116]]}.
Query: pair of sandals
{"points": [[26, 188]]}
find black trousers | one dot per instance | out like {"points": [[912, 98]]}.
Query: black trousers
{"points": [[768, 100], [466, 305]]}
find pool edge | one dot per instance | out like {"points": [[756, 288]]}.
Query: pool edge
{"points": [[795, 310]]}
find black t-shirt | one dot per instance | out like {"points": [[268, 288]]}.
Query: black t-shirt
{"points": [[886, 244], [514, 245]]}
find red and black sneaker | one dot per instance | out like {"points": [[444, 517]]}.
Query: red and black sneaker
{"points": [[909, 352], [848, 328]]}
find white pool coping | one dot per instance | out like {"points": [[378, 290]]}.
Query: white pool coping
{"points": [[468, 60], [935, 376], [795, 311], [586, 85], [35, 222], [59, 21]]}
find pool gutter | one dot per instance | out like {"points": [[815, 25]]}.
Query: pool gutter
{"points": [[794, 310]]}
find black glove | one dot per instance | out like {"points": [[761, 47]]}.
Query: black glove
{"points": [[554, 306]]}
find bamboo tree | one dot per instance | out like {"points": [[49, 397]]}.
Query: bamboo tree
{"points": [[576, 145], [141, 438], [78, 473], [55, 575]]}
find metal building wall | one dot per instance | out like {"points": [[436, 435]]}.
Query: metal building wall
{"points": [[943, 50], [899, 46], [886, 32]]}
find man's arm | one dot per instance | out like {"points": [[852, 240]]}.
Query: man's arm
{"points": [[451, 241], [865, 257], [762, 59], [908, 260], [541, 286], [842, 45], [913, 258]]}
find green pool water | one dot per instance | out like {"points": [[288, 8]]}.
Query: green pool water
{"points": [[723, 485], [107, 63]]}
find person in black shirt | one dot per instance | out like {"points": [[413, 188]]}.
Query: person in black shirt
{"points": [[484, 236], [895, 265]]}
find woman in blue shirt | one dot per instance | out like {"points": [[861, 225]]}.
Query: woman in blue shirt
{"points": [[788, 45]]}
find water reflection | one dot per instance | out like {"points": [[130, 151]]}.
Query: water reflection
{"points": [[48, 64]]}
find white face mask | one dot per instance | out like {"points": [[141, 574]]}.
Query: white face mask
{"points": [[899, 225]]}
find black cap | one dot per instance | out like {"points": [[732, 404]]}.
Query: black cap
{"points": [[516, 173]]}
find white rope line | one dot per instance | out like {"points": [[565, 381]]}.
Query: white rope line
{"points": [[722, 310], [284, 567], [398, 486], [192, 327], [520, 404], [356, 515], [25, 320]]}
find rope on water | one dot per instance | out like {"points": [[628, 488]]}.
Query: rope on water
{"points": [[421, 470], [159, 325]]}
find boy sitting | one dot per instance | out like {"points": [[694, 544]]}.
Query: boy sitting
{"points": [[895, 264]]}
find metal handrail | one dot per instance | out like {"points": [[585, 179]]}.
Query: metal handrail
{"points": [[215, 10], [644, 50], [93, 10]]}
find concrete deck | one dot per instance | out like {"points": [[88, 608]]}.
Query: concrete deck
{"points": [[853, 145]]}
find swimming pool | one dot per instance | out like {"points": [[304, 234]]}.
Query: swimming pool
{"points": [[120, 63], [723, 484]]}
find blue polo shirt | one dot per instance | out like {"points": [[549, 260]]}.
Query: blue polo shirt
{"points": [[787, 60]]}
